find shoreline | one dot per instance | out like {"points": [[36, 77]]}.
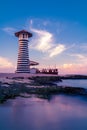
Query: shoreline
{"points": [[11, 91], [43, 86]]}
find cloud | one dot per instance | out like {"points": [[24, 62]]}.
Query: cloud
{"points": [[31, 22], [44, 41], [67, 66], [57, 50], [83, 46], [5, 63], [72, 68], [9, 30], [80, 58]]}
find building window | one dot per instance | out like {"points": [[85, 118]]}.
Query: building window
{"points": [[23, 35]]}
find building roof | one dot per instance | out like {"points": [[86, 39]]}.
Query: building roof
{"points": [[23, 31], [32, 63]]}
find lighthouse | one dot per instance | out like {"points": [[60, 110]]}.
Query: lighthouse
{"points": [[23, 62]]}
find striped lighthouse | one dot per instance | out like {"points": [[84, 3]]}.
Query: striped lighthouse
{"points": [[23, 62]]}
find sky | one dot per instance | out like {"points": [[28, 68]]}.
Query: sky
{"points": [[59, 29]]}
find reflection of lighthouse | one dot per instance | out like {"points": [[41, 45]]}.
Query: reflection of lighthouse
{"points": [[23, 57]]}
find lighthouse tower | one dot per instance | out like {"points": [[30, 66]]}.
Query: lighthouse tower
{"points": [[23, 63]]}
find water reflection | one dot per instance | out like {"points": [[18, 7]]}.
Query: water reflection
{"points": [[60, 113]]}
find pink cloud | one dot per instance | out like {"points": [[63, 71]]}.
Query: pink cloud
{"points": [[73, 69], [6, 65]]}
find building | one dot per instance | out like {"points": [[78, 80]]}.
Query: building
{"points": [[23, 62]]}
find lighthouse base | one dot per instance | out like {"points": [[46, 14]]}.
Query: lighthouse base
{"points": [[22, 71]]}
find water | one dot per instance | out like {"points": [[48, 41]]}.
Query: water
{"points": [[59, 113], [74, 83]]}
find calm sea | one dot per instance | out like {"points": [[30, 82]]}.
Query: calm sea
{"points": [[59, 112], [74, 83]]}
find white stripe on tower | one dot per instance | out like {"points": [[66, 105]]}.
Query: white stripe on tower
{"points": [[23, 55]]}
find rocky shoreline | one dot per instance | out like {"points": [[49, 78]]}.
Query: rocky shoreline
{"points": [[43, 87]]}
